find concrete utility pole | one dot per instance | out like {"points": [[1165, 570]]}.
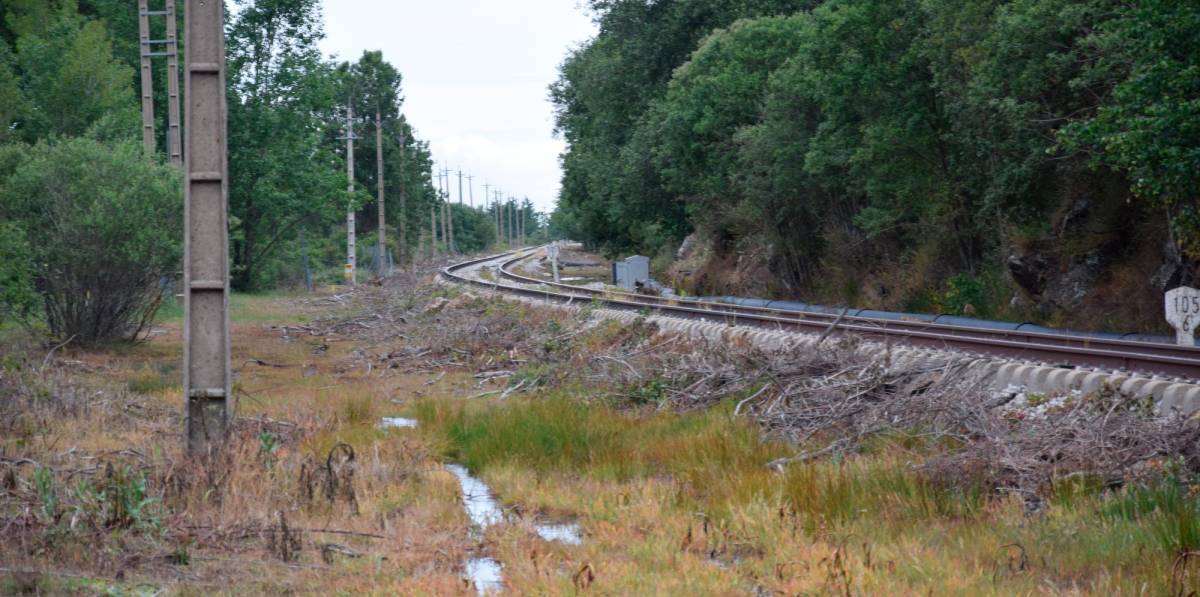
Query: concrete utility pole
{"points": [[381, 254], [207, 376], [508, 220], [148, 142], [351, 233], [174, 144], [487, 202], [171, 52], [471, 190], [441, 205], [524, 215], [450, 215], [496, 216], [460, 193], [433, 231], [529, 214], [403, 203]]}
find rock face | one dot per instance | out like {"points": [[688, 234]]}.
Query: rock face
{"points": [[1069, 290], [1029, 272], [1060, 272]]}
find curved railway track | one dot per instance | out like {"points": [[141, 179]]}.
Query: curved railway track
{"points": [[1056, 350]]}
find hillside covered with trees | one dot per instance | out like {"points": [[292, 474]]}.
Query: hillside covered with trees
{"points": [[1032, 159]]}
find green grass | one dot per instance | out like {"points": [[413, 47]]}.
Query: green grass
{"points": [[957, 539], [244, 308], [155, 378], [558, 434]]}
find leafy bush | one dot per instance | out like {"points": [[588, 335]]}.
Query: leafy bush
{"points": [[16, 285], [104, 226]]}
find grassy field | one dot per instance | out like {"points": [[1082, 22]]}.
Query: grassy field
{"points": [[685, 504], [96, 495]]}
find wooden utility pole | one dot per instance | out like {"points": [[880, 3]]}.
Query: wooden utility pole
{"points": [[381, 255], [351, 233], [148, 141], [207, 376], [174, 143]]}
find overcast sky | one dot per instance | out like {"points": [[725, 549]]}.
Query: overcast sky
{"points": [[476, 74]]}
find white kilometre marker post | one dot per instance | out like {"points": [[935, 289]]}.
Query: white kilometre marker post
{"points": [[1183, 312]]}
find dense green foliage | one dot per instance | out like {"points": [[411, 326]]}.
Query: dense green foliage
{"points": [[90, 229], [102, 230], [853, 136], [17, 297]]}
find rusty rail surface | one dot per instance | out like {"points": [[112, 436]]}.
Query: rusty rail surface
{"points": [[1057, 350]]}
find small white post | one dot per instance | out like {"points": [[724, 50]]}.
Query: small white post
{"points": [[554, 259], [1183, 312]]}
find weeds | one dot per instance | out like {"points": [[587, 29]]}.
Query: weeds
{"points": [[47, 496]]}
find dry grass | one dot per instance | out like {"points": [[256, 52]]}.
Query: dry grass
{"points": [[278, 513], [657, 447]]}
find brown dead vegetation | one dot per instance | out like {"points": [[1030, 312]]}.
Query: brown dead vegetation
{"points": [[311, 493], [834, 400]]}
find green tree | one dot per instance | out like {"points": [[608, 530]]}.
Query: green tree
{"points": [[282, 114], [374, 87], [17, 298], [12, 101], [104, 229], [70, 77], [1150, 127]]}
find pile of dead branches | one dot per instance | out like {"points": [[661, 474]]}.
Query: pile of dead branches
{"points": [[830, 400]]}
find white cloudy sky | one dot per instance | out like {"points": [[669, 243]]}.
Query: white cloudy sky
{"points": [[476, 74]]}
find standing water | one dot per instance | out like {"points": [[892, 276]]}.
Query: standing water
{"points": [[484, 511], [398, 423]]}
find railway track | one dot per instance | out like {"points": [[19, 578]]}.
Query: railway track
{"points": [[1063, 351]]}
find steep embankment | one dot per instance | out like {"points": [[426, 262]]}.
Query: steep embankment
{"points": [[1030, 160]]}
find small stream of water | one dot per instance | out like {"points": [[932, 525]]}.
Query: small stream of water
{"points": [[484, 511]]}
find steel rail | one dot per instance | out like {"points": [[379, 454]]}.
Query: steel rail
{"points": [[1066, 351]]}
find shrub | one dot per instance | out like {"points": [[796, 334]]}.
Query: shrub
{"points": [[104, 230], [16, 284]]}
